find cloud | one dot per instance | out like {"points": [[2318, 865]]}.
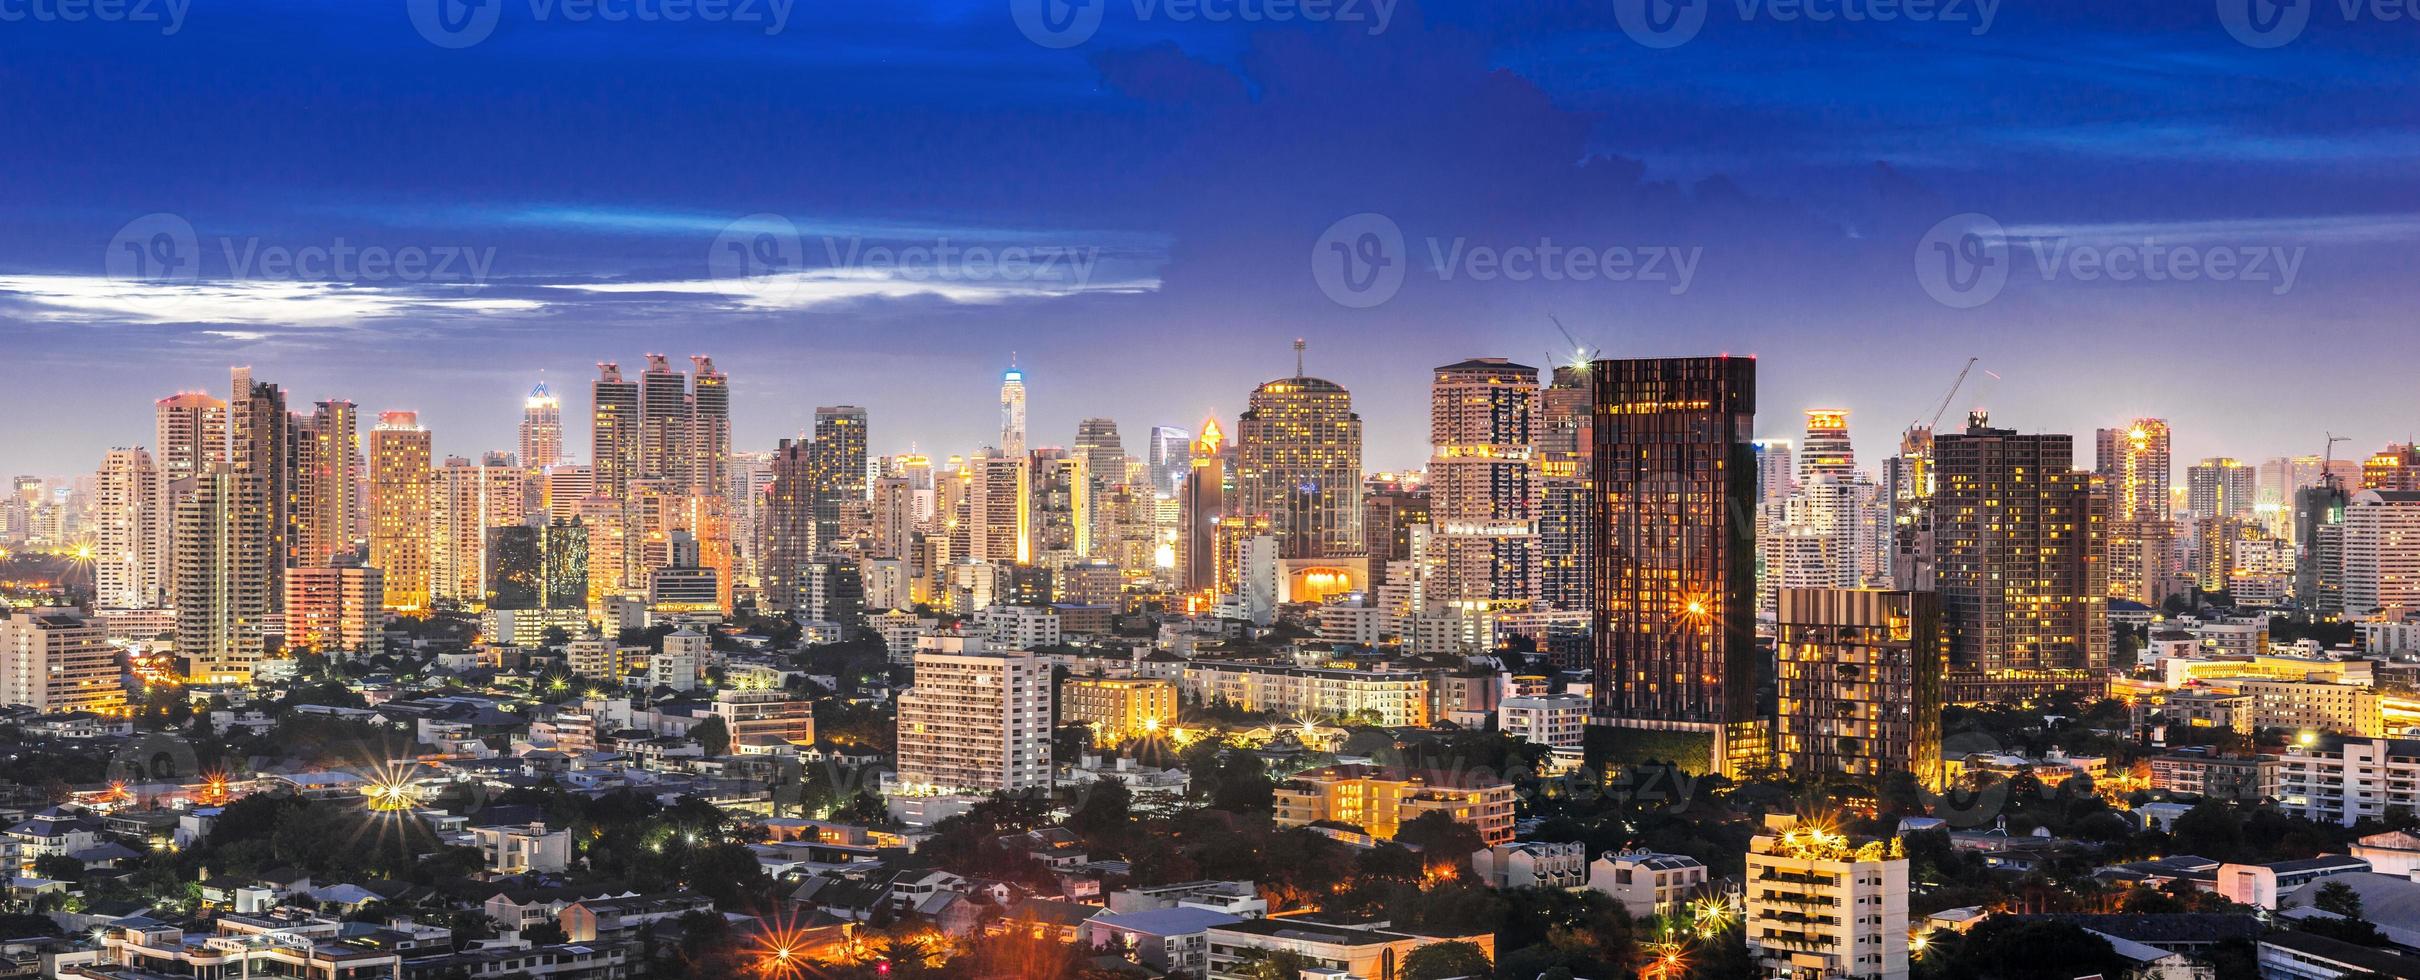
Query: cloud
{"points": [[97, 299], [824, 287]]}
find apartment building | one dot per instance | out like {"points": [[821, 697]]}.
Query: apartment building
{"points": [[2341, 779], [1389, 697], [1820, 904], [1379, 800], [976, 722], [1118, 708]]}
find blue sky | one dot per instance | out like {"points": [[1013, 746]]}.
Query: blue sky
{"points": [[576, 190]]}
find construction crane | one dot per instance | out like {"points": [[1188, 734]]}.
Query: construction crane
{"points": [[1953, 393], [1580, 351], [2328, 461]]}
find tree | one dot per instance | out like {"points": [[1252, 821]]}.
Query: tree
{"points": [[728, 874], [545, 934], [1442, 961], [1442, 840], [58, 867], [2008, 948], [1272, 964], [713, 735], [2339, 898]]}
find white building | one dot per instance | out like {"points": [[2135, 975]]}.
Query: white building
{"points": [[1645, 882], [1534, 864], [2381, 551], [518, 848], [1821, 904], [57, 660], [2338, 779], [975, 722], [683, 661], [1553, 720], [1018, 627]]}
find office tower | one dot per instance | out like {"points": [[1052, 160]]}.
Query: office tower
{"points": [[1675, 575], [1860, 683], [127, 557], [2019, 562], [613, 431], [709, 441], [839, 460], [1298, 460], [1858, 892], [976, 723], [192, 434], [538, 566], [1059, 521], [2318, 545], [400, 480], [2135, 462], [751, 479], [1170, 459], [1201, 504], [664, 423], [1827, 451], [789, 523], [564, 486], [2397, 467], [1776, 471], [608, 527], [466, 499], [1012, 411], [999, 505], [1907, 484], [221, 564], [2381, 542], [336, 609], [56, 660], [541, 429], [1482, 483], [263, 443], [1564, 422], [2221, 487], [327, 483], [1104, 457]]}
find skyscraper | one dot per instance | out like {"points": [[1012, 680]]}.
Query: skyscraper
{"points": [[1200, 506], [1170, 459], [789, 523], [2132, 461], [664, 423], [1298, 461], [709, 444], [2020, 564], [1860, 684], [1104, 467], [400, 457], [999, 509], [327, 483], [192, 434], [466, 499], [1482, 481], [839, 479], [1059, 521], [128, 563], [976, 722], [1675, 483], [541, 429], [1012, 411], [2318, 545], [1827, 450], [613, 431], [221, 566], [2221, 487], [1566, 513]]}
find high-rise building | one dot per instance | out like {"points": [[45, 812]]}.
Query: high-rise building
{"points": [[1566, 514], [709, 441], [1860, 682], [2020, 564], [57, 660], [541, 429], [327, 483], [1012, 411], [264, 443], [1170, 459], [1482, 482], [1822, 905], [1776, 471], [613, 431], [2221, 487], [221, 563], [1059, 520], [1908, 484], [976, 722], [839, 461], [1675, 479], [537, 566], [399, 509], [466, 499], [2134, 461], [2381, 542], [664, 424], [1104, 457], [1298, 461], [336, 609], [789, 523], [1201, 504], [1000, 509], [128, 559], [192, 434], [1827, 450], [2319, 544], [2397, 467]]}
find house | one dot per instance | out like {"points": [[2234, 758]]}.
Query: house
{"points": [[2263, 885], [50, 833], [605, 919], [521, 848], [1535, 864], [1237, 898], [1346, 950], [1170, 938], [1646, 882]]}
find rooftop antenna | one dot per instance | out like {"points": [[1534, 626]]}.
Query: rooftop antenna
{"points": [[1298, 346]]}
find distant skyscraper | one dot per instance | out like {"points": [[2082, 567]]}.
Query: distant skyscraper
{"points": [[2318, 545], [537, 566], [1566, 515], [1170, 459], [2020, 562], [613, 432], [999, 509], [1482, 482], [1827, 450], [1059, 521], [1201, 504], [1776, 470], [2221, 487], [2397, 467], [1298, 461], [541, 429], [1104, 468], [1675, 616], [839, 477], [128, 562], [2134, 460], [664, 424], [327, 484], [466, 499], [1012, 411], [1860, 684], [264, 446], [789, 523], [400, 459], [192, 434], [709, 444], [221, 566]]}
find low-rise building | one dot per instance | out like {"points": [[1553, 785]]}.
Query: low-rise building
{"points": [[521, 848], [1392, 698], [1645, 882], [2342, 780], [1344, 951], [1533, 864], [1379, 800], [1820, 903]]}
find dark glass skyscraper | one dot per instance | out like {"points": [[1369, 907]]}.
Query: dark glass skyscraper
{"points": [[2019, 559], [1675, 490]]}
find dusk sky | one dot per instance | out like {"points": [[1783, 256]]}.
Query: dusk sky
{"points": [[570, 180]]}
